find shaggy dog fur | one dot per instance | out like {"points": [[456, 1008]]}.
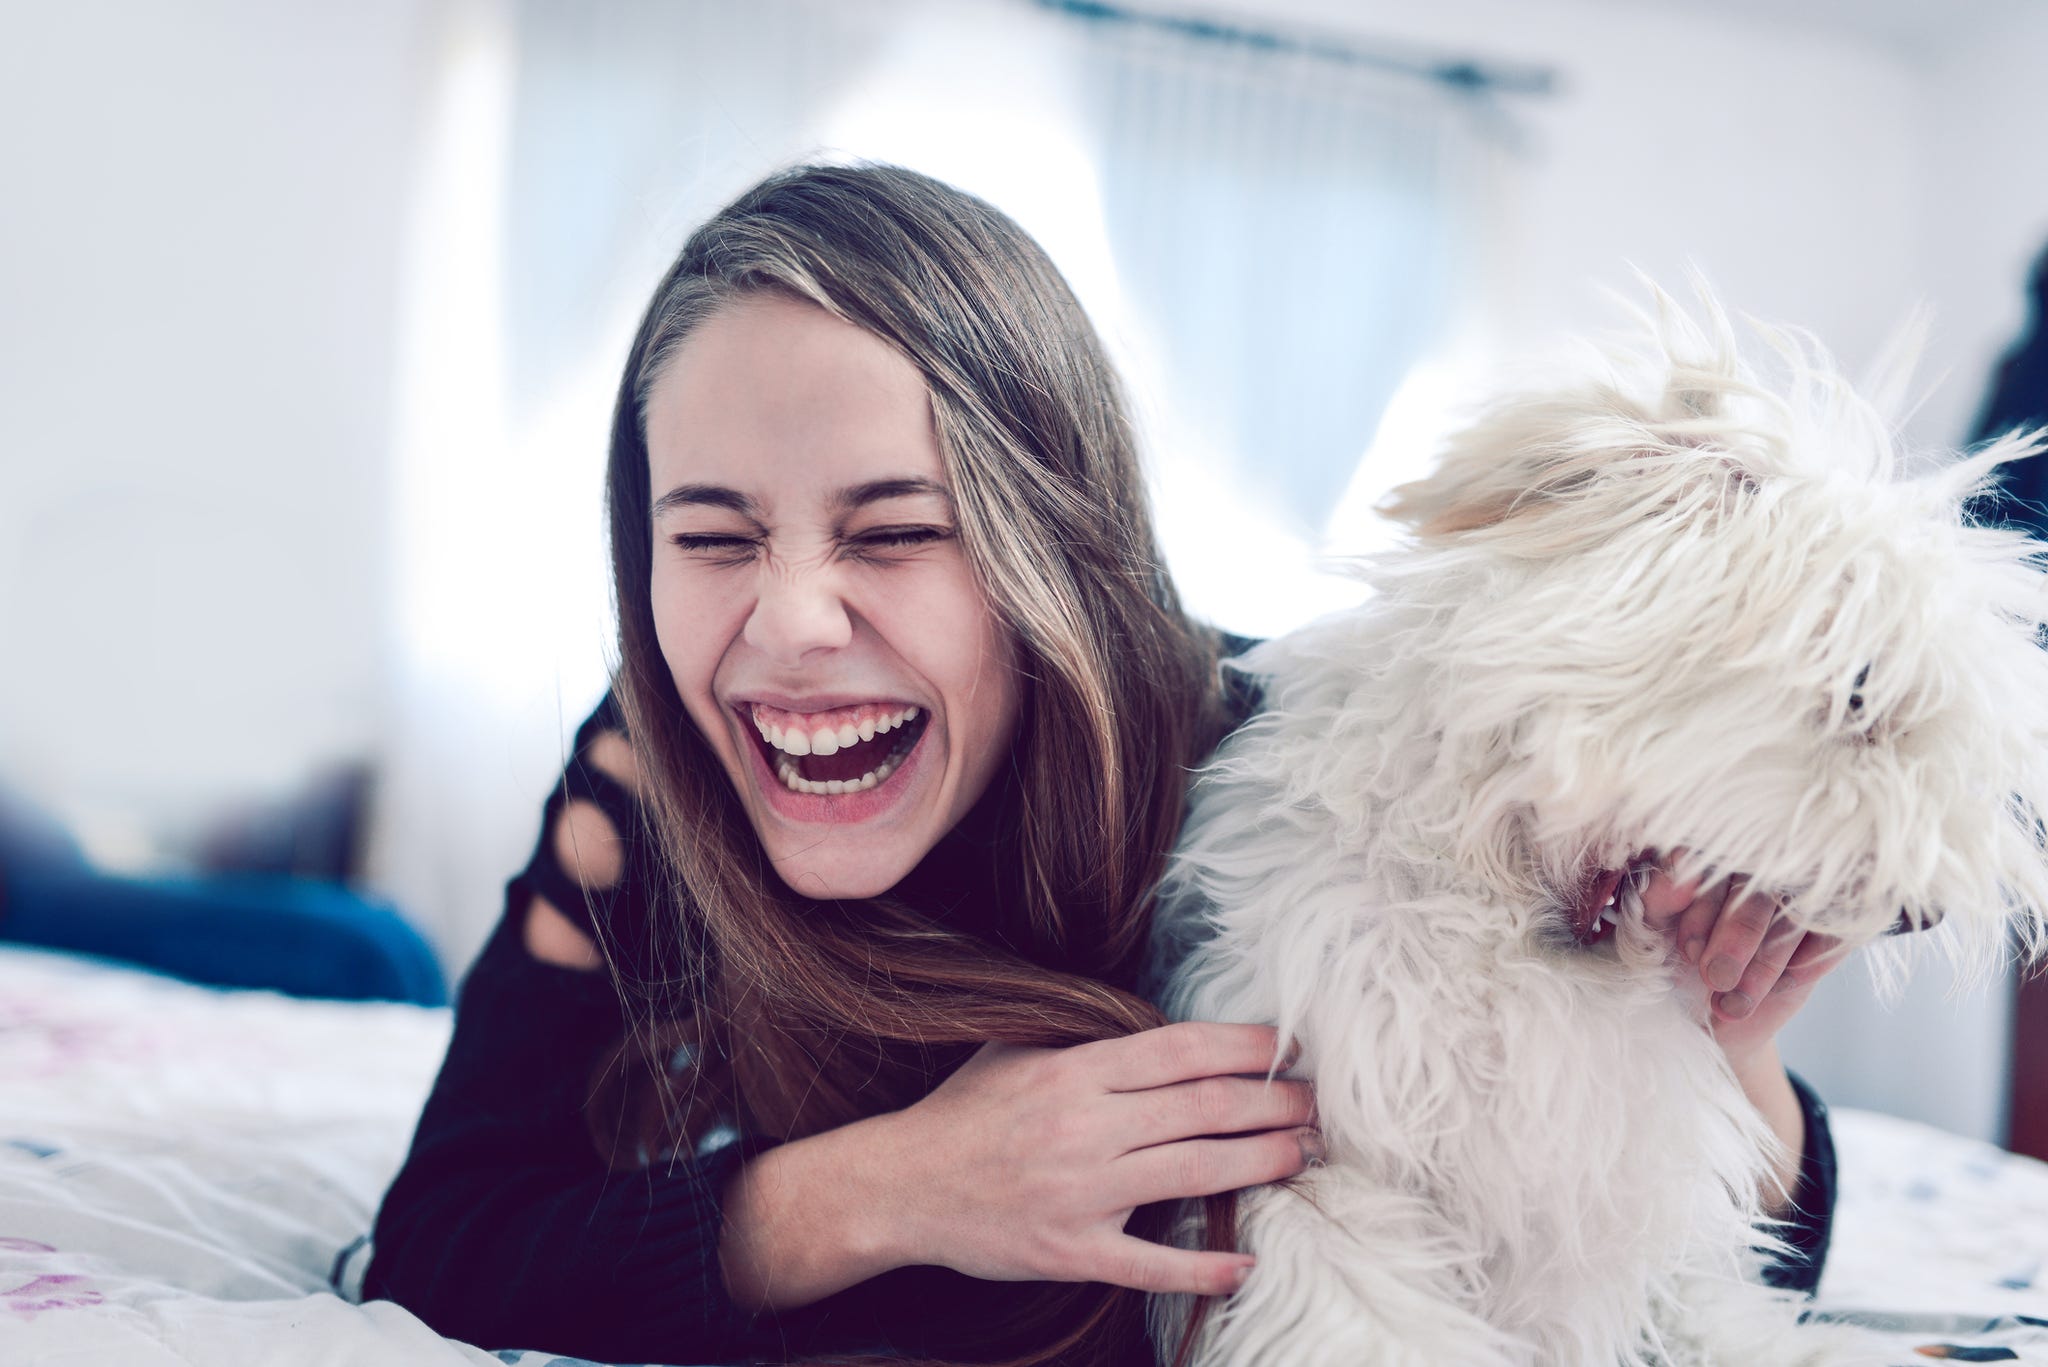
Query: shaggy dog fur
{"points": [[1668, 604]]}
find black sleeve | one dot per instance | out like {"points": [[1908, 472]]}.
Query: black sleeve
{"points": [[1810, 1223], [505, 1228]]}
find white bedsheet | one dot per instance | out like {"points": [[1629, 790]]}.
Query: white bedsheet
{"points": [[186, 1177]]}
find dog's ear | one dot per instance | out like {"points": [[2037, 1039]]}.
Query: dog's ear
{"points": [[1648, 421], [1486, 474], [1535, 454]]}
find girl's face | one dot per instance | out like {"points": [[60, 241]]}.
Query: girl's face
{"points": [[812, 598]]}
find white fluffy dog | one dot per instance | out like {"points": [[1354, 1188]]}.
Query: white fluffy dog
{"points": [[1666, 605]]}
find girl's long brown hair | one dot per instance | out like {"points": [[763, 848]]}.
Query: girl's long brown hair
{"points": [[784, 1016]]}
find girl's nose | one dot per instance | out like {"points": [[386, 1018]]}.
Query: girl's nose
{"points": [[796, 614]]}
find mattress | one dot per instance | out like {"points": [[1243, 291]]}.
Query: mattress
{"points": [[188, 1176]]}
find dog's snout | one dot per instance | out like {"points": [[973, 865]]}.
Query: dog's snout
{"points": [[1856, 691]]}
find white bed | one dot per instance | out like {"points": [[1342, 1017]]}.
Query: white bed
{"points": [[187, 1177]]}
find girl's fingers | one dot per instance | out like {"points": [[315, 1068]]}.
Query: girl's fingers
{"points": [[1736, 937], [1177, 1053], [1124, 1260], [1213, 1106], [1815, 955], [1664, 899], [1695, 926], [1772, 955], [1204, 1167]]}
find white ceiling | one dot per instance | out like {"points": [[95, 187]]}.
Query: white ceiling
{"points": [[1915, 28]]}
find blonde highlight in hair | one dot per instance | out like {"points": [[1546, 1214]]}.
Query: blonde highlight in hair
{"points": [[787, 1016]]}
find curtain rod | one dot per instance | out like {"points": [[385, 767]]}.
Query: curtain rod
{"points": [[1468, 76]]}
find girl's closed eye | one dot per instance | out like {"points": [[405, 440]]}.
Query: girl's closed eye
{"points": [[715, 546], [728, 546], [899, 538]]}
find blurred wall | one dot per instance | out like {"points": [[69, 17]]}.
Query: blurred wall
{"points": [[1985, 202], [1786, 160], [198, 287]]}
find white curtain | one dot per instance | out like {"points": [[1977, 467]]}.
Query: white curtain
{"points": [[1297, 229], [1292, 227]]}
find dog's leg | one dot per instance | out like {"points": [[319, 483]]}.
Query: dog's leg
{"points": [[1723, 1323], [1348, 1275]]}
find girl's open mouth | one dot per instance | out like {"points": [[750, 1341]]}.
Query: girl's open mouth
{"points": [[837, 753]]}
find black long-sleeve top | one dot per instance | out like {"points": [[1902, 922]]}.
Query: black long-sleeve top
{"points": [[506, 1229]]}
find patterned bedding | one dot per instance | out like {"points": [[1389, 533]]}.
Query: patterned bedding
{"points": [[187, 1177]]}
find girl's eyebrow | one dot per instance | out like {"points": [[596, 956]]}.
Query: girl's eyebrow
{"points": [[875, 490], [844, 500], [705, 496]]}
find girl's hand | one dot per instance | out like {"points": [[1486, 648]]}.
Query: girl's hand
{"points": [[1760, 967], [1026, 1163]]}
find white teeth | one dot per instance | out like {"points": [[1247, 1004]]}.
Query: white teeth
{"points": [[831, 740], [895, 719], [796, 783]]}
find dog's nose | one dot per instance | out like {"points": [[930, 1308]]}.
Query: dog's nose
{"points": [[1904, 924]]}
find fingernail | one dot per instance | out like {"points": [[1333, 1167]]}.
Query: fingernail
{"points": [[1293, 1054], [1694, 947], [1315, 1110], [1313, 1150], [1243, 1274], [1723, 973], [1736, 1005]]}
